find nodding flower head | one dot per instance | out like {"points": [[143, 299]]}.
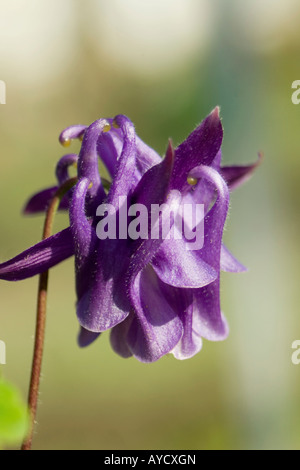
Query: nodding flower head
{"points": [[156, 294]]}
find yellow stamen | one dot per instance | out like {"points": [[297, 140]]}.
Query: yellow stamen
{"points": [[192, 181], [90, 186], [66, 142], [115, 124], [107, 128]]}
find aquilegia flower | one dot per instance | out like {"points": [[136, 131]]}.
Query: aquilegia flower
{"points": [[155, 294]]}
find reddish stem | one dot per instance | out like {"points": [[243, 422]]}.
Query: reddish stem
{"points": [[41, 317]]}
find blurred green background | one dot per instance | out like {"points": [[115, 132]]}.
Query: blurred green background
{"points": [[166, 64]]}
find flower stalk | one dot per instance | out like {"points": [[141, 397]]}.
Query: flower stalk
{"points": [[41, 317]]}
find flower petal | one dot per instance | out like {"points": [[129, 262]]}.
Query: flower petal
{"points": [[153, 187], [200, 148], [146, 157], [109, 147], [208, 321], [204, 191], [103, 302], [102, 299], [236, 175], [122, 184], [215, 219], [229, 263], [216, 163], [39, 258], [179, 267], [156, 328], [190, 343], [148, 248], [85, 337], [70, 133], [62, 167], [118, 337], [88, 164], [83, 235], [40, 201]]}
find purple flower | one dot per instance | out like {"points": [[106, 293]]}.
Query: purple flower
{"points": [[155, 295]]}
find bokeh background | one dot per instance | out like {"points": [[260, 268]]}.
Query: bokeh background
{"points": [[166, 64]]}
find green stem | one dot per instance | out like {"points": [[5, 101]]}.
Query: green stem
{"points": [[41, 317]]}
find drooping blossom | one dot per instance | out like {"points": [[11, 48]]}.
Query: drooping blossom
{"points": [[155, 295]]}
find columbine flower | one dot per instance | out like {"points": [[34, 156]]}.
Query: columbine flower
{"points": [[155, 295]]}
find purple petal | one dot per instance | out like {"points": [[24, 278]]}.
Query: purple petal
{"points": [[82, 231], [122, 184], [70, 133], [190, 343], [229, 263], [199, 309], [156, 328], [216, 163], [179, 267], [200, 148], [83, 235], [216, 217], [208, 321], [88, 164], [39, 258], [237, 175], [118, 337], [62, 168], [146, 157], [41, 200], [109, 147], [204, 191], [148, 248], [104, 303], [154, 186], [85, 337]]}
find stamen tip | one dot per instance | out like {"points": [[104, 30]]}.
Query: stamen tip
{"points": [[192, 181], [107, 127], [65, 142]]}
